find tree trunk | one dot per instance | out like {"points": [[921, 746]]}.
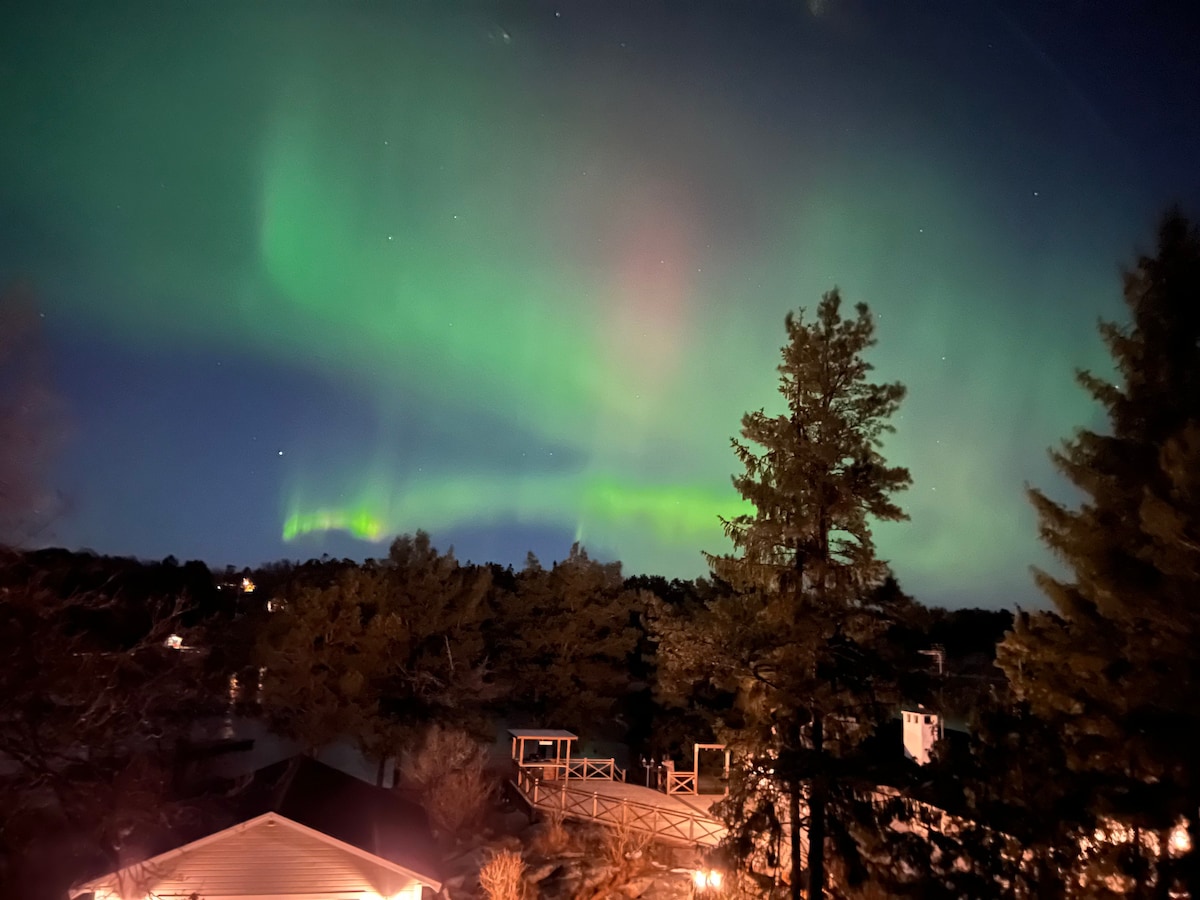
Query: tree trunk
{"points": [[1048, 880], [1191, 861], [1162, 867], [816, 818], [794, 836], [1139, 862]]}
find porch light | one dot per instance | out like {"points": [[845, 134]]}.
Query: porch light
{"points": [[707, 879]]}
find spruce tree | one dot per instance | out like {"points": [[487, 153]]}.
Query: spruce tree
{"points": [[384, 650], [567, 638], [1115, 666], [794, 640]]}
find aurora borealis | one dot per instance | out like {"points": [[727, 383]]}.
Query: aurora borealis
{"points": [[314, 274]]}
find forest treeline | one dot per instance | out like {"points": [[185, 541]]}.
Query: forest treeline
{"points": [[1077, 775], [127, 658]]}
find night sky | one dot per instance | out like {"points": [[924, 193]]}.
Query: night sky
{"points": [[313, 274]]}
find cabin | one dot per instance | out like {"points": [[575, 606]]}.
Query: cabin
{"points": [[298, 830], [922, 730]]}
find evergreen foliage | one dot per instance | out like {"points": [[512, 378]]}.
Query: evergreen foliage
{"points": [[382, 651], [96, 722], [797, 640], [565, 636], [1114, 667]]}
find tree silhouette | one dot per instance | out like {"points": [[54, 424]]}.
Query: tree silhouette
{"points": [[30, 420], [797, 640], [1114, 667]]}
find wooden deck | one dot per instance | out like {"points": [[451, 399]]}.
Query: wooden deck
{"points": [[675, 818]]}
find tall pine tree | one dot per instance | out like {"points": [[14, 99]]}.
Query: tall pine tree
{"points": [[566, 636], [794, 643], [1115, 666]]}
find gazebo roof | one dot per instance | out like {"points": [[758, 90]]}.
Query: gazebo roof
{"points": [[544, 734]]}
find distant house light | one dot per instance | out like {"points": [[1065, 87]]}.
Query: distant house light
{"points": [[247, 586], [175, 642]]}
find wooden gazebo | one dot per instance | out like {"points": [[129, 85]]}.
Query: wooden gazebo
{"points": [[551, 749]]}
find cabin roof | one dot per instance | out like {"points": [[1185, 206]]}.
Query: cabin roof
{"points": [[318, 797], [325, 799], [267, 855]]}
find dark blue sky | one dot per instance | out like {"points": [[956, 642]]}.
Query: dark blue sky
{"points": [[511, 272]]}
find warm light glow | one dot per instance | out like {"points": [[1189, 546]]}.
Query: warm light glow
{"points": [[1114, 833], [247, 586], [707, 879], [175, 642], [412, 892], [1181, 841]]}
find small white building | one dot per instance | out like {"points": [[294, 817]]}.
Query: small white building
{"points": [[922, 729], [323, 835]]}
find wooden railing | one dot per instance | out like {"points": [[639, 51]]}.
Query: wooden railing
{"points": [[606, 769], [582, 769], [681, 782], [670, 825]]}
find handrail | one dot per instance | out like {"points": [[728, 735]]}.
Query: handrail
{"points": [[659, 822], [682, 783], [581, 768]]}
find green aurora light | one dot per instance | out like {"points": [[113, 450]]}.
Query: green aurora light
{"points": [[554, 269]]}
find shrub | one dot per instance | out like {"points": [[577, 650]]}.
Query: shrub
{"points": [[503, 876], [450, 771], [625, 848], [554, 838]]}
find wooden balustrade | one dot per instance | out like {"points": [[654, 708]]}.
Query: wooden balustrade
{"points": [[681, 783], [583, 769], [676, 826]]}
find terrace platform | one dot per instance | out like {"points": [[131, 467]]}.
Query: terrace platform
{"points": [[595, 790]]}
